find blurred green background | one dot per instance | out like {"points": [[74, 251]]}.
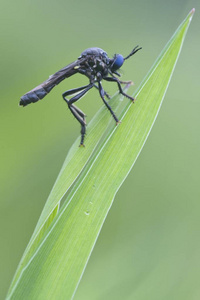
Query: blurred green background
{"points": [[149, 247]]}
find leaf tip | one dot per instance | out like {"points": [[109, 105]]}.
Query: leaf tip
{"points": [[192, 13]]}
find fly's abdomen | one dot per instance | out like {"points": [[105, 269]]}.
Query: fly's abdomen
{"points": [[44, 88], [35, 95]]}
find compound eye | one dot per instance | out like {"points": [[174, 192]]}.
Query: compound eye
{"points": [[118, 62]]}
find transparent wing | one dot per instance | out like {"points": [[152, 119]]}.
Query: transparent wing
{"points": [[40, 91]]}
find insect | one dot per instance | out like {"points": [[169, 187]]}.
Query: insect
{"points": [[97, 66]]}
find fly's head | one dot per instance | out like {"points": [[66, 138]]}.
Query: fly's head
{"points": [[116, 62]]}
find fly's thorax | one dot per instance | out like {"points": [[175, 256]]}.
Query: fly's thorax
{"points": [[94, 51]]}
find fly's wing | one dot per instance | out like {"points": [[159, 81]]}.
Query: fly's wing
{"points": [[44, 88]]}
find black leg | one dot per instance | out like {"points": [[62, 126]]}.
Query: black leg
{"points": [[85, 72], [113, 79], [102, 93], [78, 114], [76, 90], [106, 94]]}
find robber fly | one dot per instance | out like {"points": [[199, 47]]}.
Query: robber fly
{"points": [[96, 65]]}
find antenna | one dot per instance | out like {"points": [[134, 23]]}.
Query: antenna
{"points": [[133, 52]]}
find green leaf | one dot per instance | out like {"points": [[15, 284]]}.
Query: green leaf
{"points": [[57, 254], [74, 163]]}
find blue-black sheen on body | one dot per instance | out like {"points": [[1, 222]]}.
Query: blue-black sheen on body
{"points": [[95, 64]]}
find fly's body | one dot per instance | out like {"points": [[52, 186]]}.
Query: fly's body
{"points": [[97, 66]]}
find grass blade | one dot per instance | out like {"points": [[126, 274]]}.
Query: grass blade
{"points": [[74, 163]]}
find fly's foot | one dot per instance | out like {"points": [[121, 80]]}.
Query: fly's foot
{"points": [[134, 99], [81, 145], [131, 98], [127, 82]]}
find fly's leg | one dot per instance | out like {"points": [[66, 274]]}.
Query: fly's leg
{"points": [[102, 93], [114, 79], [126, 82], [87, 73], [78, 114], [106, 94]]}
